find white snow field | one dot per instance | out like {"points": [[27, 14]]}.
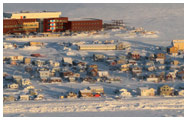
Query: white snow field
{"points": [[166, 19], [155, 106]]}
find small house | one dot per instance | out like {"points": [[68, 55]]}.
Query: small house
{"points": [[8, 98], [174, 62], [173, 50], [86, 93], [171, 76], [35, 44], [96, 89], [161, 55], [103, 73], [136, 70], [13, 62], [99, 57], [67, 74], [166, 90], [152, 57], [125, 67], [71, 95], [44, 74], [145, 91], [19, 58], [27, 60], [151, 68], [26, 82], [180, 74], [132, 62], [181, 93], [67, 60], [160, 60], [92, 72], [55, 80], [13, 86], [39, 63], [94, 66], [135, 55], [24, 97], [29, 87], [72, 79], [120, 61], [152, 78]]}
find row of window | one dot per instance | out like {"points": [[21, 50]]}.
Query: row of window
{"points": [[95, 23], [95, 27], [26, 25], [21, 29], [57, 21]]}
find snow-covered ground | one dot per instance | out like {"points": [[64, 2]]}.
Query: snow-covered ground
{"points": [[167, 19], [157, 106]]}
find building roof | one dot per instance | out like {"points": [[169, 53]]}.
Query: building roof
{"points": [[83, 19]]}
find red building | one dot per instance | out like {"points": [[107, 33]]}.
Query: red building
{"points": [[20, 25], [85, 25], [55, 24]]}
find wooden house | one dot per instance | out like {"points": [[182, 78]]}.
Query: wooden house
{"points": [[134, 55], [24, 97], [151, 68], [19, 58], [13, 62], [94, 66], [152, 57], [72, 79], [152, 78], [96, 89], [132, 62], [125, 67], [173, 50], [171, 76], [26, 82], [136, 70], [121, 61], [67, 60], [160, 60], [13, 86], [99, 57], [71, 95], [27, 60], [92, 72], [55, 80], [44, 74], [35, 44], [145, 91], [67, 74], [8, 98], [174, 62], [166, 90], [161, 55], [180, 74], [86, 93], [103, 73]]}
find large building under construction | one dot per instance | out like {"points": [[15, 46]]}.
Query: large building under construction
{"points": [[46, 21]]}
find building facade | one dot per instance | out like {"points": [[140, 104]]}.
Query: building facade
{"points": [[20, 25], [85, 25], [55, 24]]}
